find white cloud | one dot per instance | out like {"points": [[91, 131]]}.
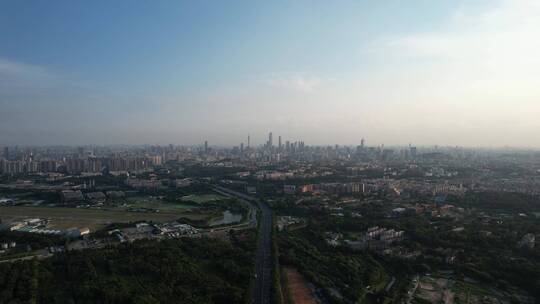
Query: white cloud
{"points": [[16, 77], [15, 68], [496, 50]]}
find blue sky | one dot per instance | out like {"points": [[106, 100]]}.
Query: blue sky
{"points": [[74, 72]]}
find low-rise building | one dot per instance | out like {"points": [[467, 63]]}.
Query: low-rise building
{"points": [[71, 196], [96, 197]]}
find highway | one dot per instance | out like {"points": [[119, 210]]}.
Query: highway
{"points": [[262, 279]]}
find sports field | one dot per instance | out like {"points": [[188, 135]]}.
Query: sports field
{"points": [[298, 288]]}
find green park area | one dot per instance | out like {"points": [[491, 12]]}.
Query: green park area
{"points": [[132, 209], [157, 204], [63, 218], [203, 198]]}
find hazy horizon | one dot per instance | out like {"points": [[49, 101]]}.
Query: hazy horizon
{"points": [[467, 73], [261, 144]]}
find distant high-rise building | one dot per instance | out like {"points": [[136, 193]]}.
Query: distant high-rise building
{"points": [[387, 154], [47, 166], [242, 148], [413, 152], [6, 152], [279, 143], [75, 165], [249, 142], [270, 144], [206, 146], [362, 143]]}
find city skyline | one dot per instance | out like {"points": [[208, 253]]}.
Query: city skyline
{"points": [[465, 74]]}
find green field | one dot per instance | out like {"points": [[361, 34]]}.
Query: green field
{"points": [[154, 203], [203, 198], [63, 218]]}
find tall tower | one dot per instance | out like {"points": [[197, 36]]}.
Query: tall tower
{"points": [[248, 143], [362, 143], [206, 146], [279, 143], [270, 140]]}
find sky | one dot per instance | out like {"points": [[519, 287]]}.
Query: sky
{"points": [[425, 72]]}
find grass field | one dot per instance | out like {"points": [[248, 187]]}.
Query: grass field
{"points": [[203, 198], [63, 218], [148, 202]]}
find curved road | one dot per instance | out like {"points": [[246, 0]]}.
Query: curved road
{"points": [[262, 280]]}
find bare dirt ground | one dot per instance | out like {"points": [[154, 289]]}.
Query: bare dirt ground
{"points": [[436, 290], [299, 288], [448, 297]]}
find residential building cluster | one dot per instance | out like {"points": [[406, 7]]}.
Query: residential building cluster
{"points": [[377, 239], [76, 165]]}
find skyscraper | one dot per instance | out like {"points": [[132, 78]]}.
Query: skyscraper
{"points": [[80, 151], [6, 152], [279, 143], [413, 152], [206, 146], [362, 143], [248, 142], [270, 144]]}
